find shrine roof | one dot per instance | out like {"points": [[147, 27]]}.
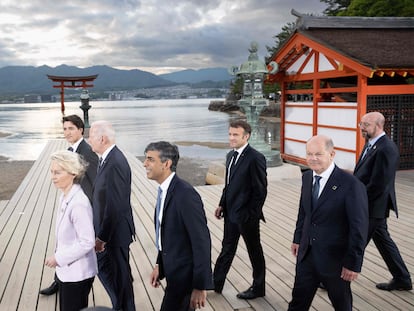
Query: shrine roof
{"points": [[375, 42]]}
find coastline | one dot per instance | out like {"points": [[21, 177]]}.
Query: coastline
{"points": [[192, 170]]}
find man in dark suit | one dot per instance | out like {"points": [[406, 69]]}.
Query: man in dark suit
{"points": [[376, 168], [182, 235], [73, 129], [241, 206], [112, 216], [331, 229]]}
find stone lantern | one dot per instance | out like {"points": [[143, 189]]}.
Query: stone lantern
{"points": [[84, 97], [253, 73]]}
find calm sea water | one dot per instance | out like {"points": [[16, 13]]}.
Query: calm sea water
{"points": [[136, 123]]}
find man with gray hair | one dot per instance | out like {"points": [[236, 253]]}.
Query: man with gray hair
{"points": [[112, 216], [331, 229]]}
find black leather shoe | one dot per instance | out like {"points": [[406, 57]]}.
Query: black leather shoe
{"points": [[249, 294], [395, 285], [52, 289]]}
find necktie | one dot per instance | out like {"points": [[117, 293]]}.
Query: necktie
{"points": [[70, 149], [315, 191], [234, 158], [232, 164], [157, 218], [100, 162], [366, 151]]}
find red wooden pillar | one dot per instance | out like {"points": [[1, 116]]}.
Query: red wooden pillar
{"points": [[70, 82]]}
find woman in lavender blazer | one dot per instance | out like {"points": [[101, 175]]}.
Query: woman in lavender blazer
{"points": [[74, 257]]}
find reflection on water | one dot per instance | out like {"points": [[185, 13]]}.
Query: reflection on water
{"points": [[136, 123]]}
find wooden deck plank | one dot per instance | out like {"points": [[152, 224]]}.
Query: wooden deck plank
{"points": [[3, 204], [27, 237]]}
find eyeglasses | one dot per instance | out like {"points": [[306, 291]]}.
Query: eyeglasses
{"points": [[364, 124]]}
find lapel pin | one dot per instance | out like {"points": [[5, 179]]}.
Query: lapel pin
{"points": [[334, 187], [375, 147]]}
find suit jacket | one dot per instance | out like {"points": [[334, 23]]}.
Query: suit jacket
{"points": [[185, 259], [243, 197], [89, 178], [377, 172], [75, 238], [112, 212], [337, 227]]}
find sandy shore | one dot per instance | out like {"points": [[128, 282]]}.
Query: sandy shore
{"points": [[13, 173], [192, 170]]}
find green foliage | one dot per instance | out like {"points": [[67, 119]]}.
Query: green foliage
{"points": [[373, 8], [236, 88], [280, 38], [270, 88]]}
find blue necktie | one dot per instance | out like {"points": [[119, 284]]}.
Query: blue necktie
{"points": [[315, 191], [366, 151], [70, 149], [157, 218]]}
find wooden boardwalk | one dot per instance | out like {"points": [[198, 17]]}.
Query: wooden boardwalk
{"points": [[27, 237]]}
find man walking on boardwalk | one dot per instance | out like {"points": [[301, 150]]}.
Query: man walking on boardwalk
{"points": [[74, 129], [241, 206], [331, 229], [182, 236], [112, 217], [376, 168]]}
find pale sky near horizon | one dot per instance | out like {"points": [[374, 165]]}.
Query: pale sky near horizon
{"points": [[158, 36]]}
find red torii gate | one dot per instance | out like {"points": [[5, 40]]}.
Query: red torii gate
{"points": [[70, 82]]}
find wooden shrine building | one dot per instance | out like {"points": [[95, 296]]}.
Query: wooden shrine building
{"points": [[332, 70]]}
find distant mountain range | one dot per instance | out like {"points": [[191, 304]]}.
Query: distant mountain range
{"points": [[19, 80], [196, 76]]}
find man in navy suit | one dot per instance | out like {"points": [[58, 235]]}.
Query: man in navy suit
{"points": [[73, 129], [331, 229], [376, 168], [112, 217], [241, 206], [182, 235]]}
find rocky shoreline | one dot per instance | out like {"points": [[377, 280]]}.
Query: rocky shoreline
{"points": [[231, 106]]}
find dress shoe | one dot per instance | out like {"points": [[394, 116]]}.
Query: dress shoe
{"points": [[395, 285], [52, 289], [249, 294]]}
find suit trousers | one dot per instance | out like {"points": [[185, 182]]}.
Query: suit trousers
{"points": [[73, 296], [378, 231], [114, 272], [250, 232], [175, 302], [307, 280]]}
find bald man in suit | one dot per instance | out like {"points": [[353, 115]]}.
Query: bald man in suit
{"points": [[376, 168]]}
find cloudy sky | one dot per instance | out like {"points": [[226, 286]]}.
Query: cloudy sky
{"points": [[158, 36]]}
